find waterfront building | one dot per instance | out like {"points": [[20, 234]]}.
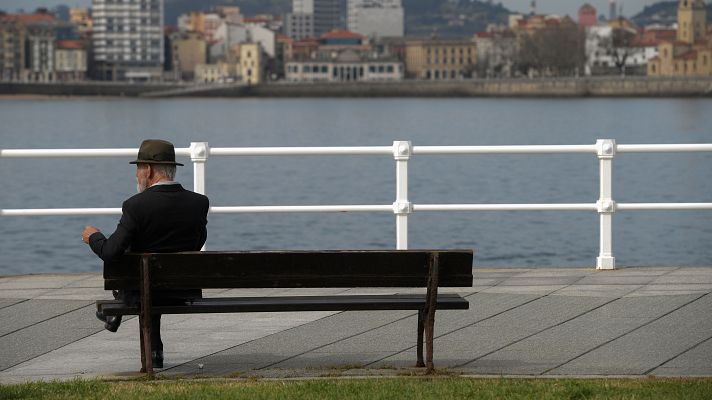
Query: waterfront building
{"points": [[376, 18], [188, 50], [284, 48], [12, 48], [215, 73], [252, 63], [80, 18], [612, 10], [299, 26], [70, 60], [232, 36], [207, 24], [310, 18], [496, 53], [440, 59], [128, 40], [40, 52], [691, 53], [344, 66], [611, 49]]}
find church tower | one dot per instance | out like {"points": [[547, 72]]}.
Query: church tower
{"points": [[691, 21]]}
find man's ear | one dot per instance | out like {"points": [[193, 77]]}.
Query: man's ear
{"points": [[150, 171]]}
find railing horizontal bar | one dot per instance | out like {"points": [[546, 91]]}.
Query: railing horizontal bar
{"points": [[373, 208], [505, 207], [284, 151], [664, 206], [538, 149], [301, 209], [31, 153], [659, 148], [59, 212]]}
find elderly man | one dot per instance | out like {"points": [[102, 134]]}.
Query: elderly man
{"points": [[162, 217]]}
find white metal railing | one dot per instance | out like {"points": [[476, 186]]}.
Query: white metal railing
{"points": [[401, 151]]}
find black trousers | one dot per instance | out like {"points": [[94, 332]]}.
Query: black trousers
{"points": [[159, 298]]}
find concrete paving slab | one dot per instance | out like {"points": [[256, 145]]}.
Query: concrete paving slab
{"points": [[90, 281], [277, 348], [684, 277], [556, 346], [28, 313], [21, 293], [48, 335], [672, 289], [587, 290], [539, 290], [695, 362], [540, 281], [40, 281], [8, 302], [649, 347], [614, 278], [76, 293]]}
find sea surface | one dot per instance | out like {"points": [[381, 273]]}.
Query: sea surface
{"points": [[500, 239]]}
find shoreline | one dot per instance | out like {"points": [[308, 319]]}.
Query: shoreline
{"points": [[515, 88]]}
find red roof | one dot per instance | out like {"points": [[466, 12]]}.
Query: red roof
{"points": [[70, 44], [282, 37], [339, 34]]}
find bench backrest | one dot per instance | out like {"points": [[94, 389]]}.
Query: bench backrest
{"points": [[291, 269]]}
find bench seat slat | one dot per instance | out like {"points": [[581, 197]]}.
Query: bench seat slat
{"points": [[294, 303]]}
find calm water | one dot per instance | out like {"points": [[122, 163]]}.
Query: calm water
{"points": [[501, 239]]}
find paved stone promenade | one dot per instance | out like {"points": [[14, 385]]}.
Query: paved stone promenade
{"points": [[533, 322]]}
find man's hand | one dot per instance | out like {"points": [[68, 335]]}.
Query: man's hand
{"points": [[88, 231]]}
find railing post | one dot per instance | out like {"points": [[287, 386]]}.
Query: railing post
{"points": [[402, 207], [199, 156], [606, 149], [199, 152]]}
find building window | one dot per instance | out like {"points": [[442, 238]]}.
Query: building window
{"points": [[389, 69]]}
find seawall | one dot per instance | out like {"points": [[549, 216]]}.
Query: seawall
{"points": [[563, 87]]}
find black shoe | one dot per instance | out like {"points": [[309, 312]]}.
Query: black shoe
{"points": [[112, 323], [157, 359]]}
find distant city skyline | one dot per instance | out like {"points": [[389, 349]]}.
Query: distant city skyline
{"points": [[560, 7]]}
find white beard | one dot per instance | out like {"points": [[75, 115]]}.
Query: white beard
{"points": [[140, 186]]}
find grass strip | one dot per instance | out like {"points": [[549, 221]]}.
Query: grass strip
{"points": [[367, 388]]}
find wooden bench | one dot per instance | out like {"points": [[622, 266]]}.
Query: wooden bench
{"points": [[292, 269]]}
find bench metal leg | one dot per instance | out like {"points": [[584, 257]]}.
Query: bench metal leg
{"points": [[421, 327], [431, 301], [145, 318]]}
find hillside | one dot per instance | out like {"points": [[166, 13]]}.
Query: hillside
{"points": [[423, 17], [664, 12]]}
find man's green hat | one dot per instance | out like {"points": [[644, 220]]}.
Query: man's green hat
{"points": [[154, 151]]}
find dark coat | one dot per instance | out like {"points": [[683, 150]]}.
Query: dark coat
{"points": [[161, 219]]}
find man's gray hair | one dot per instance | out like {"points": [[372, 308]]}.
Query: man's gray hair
{"points": [[168, 171]]}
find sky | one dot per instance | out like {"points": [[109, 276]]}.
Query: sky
{"points": [[560, 7]]}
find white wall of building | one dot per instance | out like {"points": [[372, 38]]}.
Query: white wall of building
{"points": [[379, 18]]}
